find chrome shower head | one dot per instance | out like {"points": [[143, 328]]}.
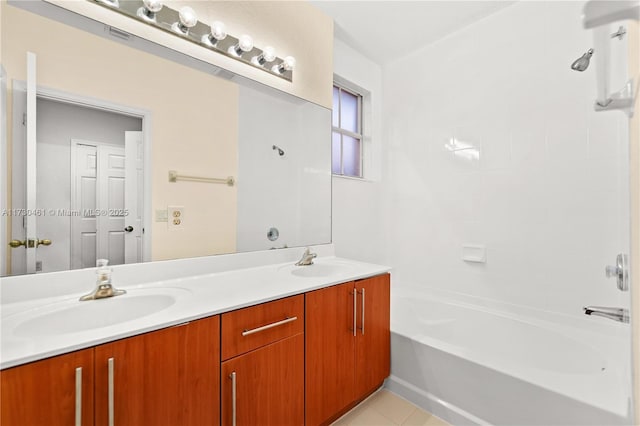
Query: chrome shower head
{"points": [[582, 63], [280, 152]]}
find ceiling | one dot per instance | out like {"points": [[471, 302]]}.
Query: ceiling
{"points": [[387, 30]]}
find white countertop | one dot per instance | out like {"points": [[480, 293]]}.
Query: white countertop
{"points": [[196, 296]]}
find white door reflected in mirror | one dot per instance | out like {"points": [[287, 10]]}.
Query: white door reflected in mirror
{"points": [[79, 193]]}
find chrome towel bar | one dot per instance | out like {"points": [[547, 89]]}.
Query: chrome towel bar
{"points": [[175, 176]]}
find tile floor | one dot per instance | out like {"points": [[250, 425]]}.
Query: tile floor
{"points": [[384, 408]]}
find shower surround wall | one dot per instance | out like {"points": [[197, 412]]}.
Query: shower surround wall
{"points": [[491, 139], [288, 192]]}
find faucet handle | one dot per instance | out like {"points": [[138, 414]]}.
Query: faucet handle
{"points": [[620, 272]]}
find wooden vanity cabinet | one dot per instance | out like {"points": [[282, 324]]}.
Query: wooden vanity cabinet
{"points": [[269, 385], [167, 377], [304, 359], [57, 391], [262, 373], [347, 346], [373, 343], [329, 348]]}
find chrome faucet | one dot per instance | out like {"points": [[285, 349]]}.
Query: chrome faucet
{"points": [[104, 288], [307, 258], [616, 314]]}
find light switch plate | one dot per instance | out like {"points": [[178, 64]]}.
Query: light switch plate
{"points": [[161, 215], [175, 217]]}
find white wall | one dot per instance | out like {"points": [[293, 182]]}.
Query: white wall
{"points": [[291, 192], [57, 124], [544, 187], [358, 228], [545, 183]]}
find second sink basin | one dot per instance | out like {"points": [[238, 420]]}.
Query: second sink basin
{"points": [[75, 316]]}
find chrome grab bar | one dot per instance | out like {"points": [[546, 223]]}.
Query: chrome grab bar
{"points": [[268, 326], [78, 396], [616, 314]]}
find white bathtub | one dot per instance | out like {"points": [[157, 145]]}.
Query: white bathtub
{"points": [[473, 364]]}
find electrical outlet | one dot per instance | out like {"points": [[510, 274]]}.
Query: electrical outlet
{"points": [[175, 217]]}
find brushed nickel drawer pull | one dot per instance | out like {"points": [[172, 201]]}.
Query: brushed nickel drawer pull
{"points": [[232, 376], [111, 368], [79, 396], [355, 308], [268, 326], [362, 312]]}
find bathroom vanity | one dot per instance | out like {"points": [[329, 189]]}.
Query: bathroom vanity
{"points": [[304, 355]]}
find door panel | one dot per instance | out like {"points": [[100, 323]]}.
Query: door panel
{"points": [[44, 392], [84, 168], [269, 385], [329, 348], [133, 196], [111, 171], [164, 378], [30, 219], [373, 341]]}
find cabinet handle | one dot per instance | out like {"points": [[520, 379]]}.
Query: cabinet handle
{"points": [[268, 326], [111, 364], [79, 396], [233, 398], [355, 308], [362, 312]]}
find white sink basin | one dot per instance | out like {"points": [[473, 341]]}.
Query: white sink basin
{"points": [[75, 316], [320, 270]]}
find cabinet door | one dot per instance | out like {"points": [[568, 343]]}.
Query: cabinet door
{"points": [[164, 378], [330, 346], [373, 342], [269, 385], [51, 392]]}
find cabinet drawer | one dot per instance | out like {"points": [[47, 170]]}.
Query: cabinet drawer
{"points": [[250, 328]]}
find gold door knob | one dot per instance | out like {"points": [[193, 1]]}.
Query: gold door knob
{"points": [[17, 243], [43, 243]]}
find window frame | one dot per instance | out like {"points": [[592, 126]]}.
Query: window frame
{"points": [[344, 132]]}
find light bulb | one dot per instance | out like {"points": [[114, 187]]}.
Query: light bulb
{"points": [[153, 5], [287, 64], [218, 32], [267, 55], [188, 19], [149, 10], [245, 44]]}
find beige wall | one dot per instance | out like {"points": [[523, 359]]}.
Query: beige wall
{"points": [[634, 142], [194, 120], [293, 27]]}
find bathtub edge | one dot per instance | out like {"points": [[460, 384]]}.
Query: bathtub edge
{"points": [[448, 412]]}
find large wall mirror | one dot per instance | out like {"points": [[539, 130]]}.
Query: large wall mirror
{"points": [[97, 123]]}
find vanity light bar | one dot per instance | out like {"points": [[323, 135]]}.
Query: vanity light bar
{"points": [[184, 24]]}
